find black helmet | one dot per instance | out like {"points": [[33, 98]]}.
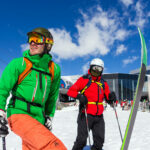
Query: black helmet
{"points": [[44, 32]]}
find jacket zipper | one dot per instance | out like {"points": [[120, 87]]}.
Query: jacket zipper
{"points": [[98, 98], [45, 89], [35, 89]]}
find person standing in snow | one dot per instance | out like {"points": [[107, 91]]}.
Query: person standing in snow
{"points": [[91, 89], [33, 81]]}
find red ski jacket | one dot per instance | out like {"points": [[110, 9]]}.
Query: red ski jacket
{"points": [[94, 93]]}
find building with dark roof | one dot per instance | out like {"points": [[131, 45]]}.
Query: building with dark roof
{"points": [[123, 84]]}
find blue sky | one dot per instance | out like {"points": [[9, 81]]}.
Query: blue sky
{"points": [[82, 30]]}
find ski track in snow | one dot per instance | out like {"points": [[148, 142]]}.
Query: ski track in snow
{"points": [[65, 127]]}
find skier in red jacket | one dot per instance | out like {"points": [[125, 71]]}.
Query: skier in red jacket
{"points": [[91, 89]]}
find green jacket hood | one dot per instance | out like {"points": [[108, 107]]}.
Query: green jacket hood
{"points": [[38, 61]]}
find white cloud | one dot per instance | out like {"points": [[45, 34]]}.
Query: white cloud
{"points": [[85, 67], [130, 60], [63, 45], [96, 35], [121, 34], [141, 17], [127, 2], [120, 49], [24, 47], [148, 14]]}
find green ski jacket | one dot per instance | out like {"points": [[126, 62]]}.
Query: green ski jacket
{"points": [[36, 87]]}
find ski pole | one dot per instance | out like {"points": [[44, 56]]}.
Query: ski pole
{"points": [[118, 122], [3, 143], [87, 127]]}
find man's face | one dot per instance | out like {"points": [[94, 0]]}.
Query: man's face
{"points": [[96, 70], [37, 43], [36, 49]]}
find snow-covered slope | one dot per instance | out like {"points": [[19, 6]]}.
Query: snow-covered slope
{"points": [[65, 127]]}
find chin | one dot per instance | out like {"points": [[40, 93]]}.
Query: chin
{"points": [[33, 53]]}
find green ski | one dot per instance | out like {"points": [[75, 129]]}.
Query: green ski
{"points": [[137, 97]]}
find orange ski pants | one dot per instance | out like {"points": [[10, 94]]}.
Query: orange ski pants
{"points": [[34, 135]]}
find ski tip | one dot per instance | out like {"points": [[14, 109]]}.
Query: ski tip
{"points": [[143, 49], [140, 32], [139, 29]]}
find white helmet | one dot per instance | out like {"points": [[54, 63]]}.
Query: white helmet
{"points": [[98, 62]]}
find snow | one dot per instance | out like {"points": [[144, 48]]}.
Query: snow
{"points": [[65, 127]]}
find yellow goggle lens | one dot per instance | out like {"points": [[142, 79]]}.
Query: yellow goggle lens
{"points": [[36, 38], [49, 41]]}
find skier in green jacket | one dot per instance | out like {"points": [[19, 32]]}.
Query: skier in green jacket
{"points": [[33, 81]]}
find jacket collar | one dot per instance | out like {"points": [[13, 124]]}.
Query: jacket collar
{"points": [[40, 62], [94, 78]]}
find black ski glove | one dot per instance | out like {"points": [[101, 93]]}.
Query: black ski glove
{"points": [[112, 98], [3, 124], [82, 99]]}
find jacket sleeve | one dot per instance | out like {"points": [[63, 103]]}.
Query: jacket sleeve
{"points": [[7, 81], [76, 87], [107, 91], [50, 105]]}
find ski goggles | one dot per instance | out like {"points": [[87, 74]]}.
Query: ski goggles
{"points": [[97, 68], [49, 41], [39, 39]]}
